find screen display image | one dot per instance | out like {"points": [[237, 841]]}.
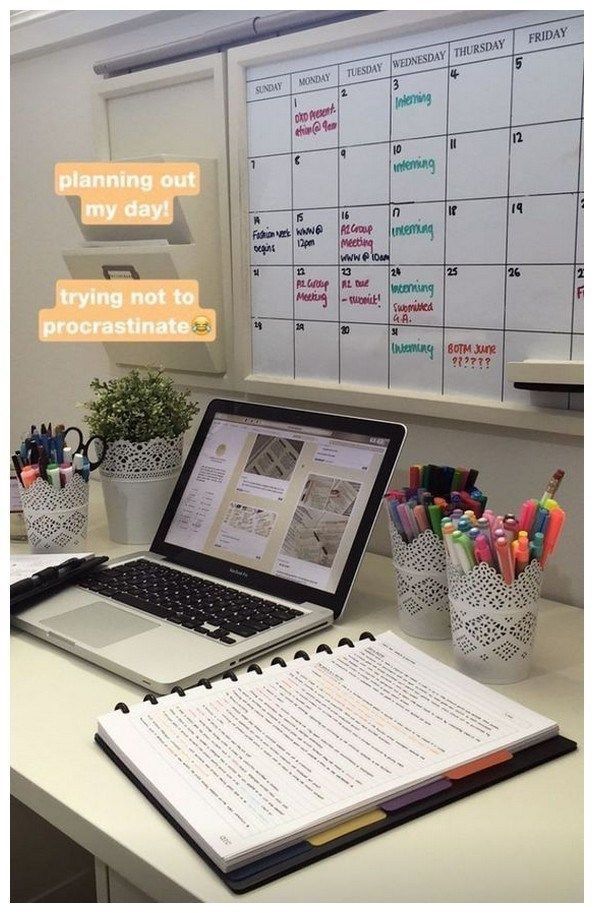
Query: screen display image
{"points": [[281, 498]]}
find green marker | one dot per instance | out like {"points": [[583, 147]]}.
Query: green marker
{"points": [[465, 550], [536, 546], [435, 519]]}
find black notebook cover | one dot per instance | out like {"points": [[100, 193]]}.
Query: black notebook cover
{"points": [[301, 854]]}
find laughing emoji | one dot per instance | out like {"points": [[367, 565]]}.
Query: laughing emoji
{"points": [[201, 326]]}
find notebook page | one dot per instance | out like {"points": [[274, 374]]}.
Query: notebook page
{"points": [[255, 766]]}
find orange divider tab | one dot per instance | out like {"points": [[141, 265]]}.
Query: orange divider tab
{"points": [[473, 767], [346, 827]]}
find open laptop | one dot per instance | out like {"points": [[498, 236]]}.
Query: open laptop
{"points": [[259, 545]]}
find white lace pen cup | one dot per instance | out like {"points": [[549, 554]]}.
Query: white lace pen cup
{"points": [[56, 518], [421, 585], [493, 623], [138, 479]]}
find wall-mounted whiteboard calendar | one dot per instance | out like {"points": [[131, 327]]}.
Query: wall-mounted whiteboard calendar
{"points": [[416, 208]]}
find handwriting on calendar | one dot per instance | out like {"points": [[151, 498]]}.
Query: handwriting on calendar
{"points": [[416, 209]]}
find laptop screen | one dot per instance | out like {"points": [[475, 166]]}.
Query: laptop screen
{"points": [[282, 498]]}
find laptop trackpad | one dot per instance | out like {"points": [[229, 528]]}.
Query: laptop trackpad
{"points": [[98, 624]]}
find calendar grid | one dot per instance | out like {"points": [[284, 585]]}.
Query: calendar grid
{"points": [[445, 227], [338, 217], [577, 216], [563, 120], [509, 153], [500, 294], [294, 340], [422, 47]]}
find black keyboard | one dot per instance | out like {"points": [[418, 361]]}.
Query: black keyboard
{"points": [[201, 605]]}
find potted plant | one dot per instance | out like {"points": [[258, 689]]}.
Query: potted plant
{"points": [[143, 418]]}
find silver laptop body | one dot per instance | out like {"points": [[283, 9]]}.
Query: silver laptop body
{"points": [[271, 502]]}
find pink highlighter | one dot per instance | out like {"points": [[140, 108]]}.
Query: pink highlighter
{"points": [[482, 550], [504, 559], [528, 514], [421, 517]]}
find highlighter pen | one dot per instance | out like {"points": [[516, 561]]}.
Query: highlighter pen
{"points": [[29, 475], [522, 555], [390, 502], [551, 489], [490, 516], [455, 516], [420, 515], [528, 513], [504, 559], [473, 533], [536, 547], [414, 476], [461, 552], [482, 550], [410, 505], [554, 527], [53, 475], [483, 525], [77, 462], [540, 522], [405, 521], [448, 531], [464, 524], [468, 545], [511, 525], [457, 478], [66, 473], [434, 512]]}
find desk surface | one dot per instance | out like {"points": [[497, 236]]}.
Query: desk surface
{"points": [[518, 841]]}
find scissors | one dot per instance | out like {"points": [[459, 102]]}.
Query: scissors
{"points": [[83, 448]]}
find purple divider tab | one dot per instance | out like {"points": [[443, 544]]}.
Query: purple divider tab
{"points": [[415, 795]]}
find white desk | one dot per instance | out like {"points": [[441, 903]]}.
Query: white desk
{"points": [[518, 841]]}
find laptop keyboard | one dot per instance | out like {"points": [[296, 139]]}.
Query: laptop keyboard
{"points": [[201, 605]]}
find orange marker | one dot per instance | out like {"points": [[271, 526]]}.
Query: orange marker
{"points": [[553, 531], [522, 554]]}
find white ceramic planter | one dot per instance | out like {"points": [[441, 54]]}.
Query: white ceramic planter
{"points": [[138, 480]]}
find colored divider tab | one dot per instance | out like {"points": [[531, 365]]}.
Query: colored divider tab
{"points": [[415, 795], [268, 862], [473, 767], [347, 827]]}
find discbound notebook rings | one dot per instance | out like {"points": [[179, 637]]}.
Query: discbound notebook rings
{"points": [[254, 667]]}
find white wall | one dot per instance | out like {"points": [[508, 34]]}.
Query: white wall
{"points": [[52, 121]]}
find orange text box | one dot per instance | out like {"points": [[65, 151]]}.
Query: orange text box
{"points": [[127, 310], [127, 193]]}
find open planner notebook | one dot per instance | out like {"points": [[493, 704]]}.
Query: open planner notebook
{"points": [[248, 769]]}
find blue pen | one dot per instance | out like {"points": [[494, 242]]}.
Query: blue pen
{"points": [[473, 532], [44, 440], [58, 443], [464, 525], [86, 469], [540, 521], [392, 505]]}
